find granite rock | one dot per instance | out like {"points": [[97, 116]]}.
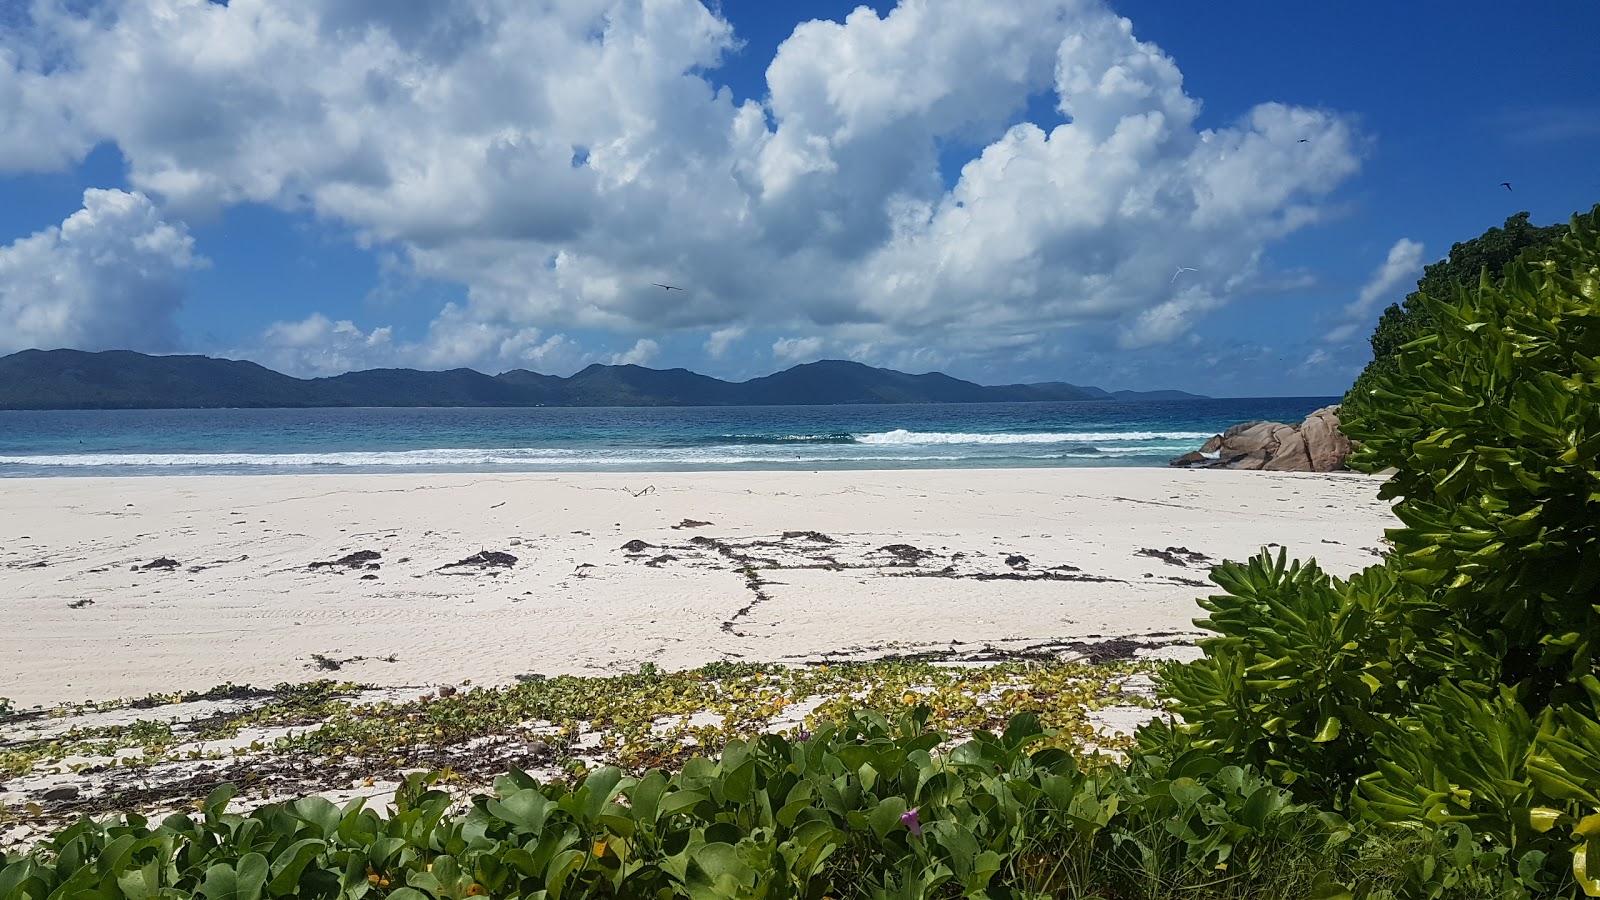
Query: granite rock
{"points": [[1314, 445]]}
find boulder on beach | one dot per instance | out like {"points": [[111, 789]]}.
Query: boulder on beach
{"points": [[1328, 447], [1315, 445]]}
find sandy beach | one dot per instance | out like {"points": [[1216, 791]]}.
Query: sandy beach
{"points": [[119, 587]]}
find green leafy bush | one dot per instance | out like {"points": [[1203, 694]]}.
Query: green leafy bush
{"points": [[1492, 423], [868, 809], [1306, 669], [1451, 690], [1489, 253]]}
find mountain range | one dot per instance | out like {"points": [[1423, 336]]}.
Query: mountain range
{"points": [[123, 379]]}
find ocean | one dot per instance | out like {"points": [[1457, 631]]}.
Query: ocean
{"points": [[549, 439]]}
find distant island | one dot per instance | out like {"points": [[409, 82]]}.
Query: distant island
{"points": [[123, 379]]}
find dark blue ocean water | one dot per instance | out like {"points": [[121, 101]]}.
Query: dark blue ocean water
{"points": [[965, 435]]}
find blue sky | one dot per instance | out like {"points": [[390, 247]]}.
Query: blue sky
{"points": [[1003, 191]]}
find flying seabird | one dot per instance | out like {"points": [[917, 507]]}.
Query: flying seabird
{"points": [[1181, 270], [1506, 185], [1305, 140], [669, 287]]}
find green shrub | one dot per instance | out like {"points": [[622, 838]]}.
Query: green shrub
{"points": [[1487, 254], [1306, 670], [1492, 423], [867, 810], [1451, 690]]}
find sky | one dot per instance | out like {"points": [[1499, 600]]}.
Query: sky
{"points": [[1135, 194]]}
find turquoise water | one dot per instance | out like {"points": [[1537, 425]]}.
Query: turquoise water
{"points": [[964, 435]]}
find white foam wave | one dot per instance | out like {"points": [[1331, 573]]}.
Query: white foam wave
{"points": [[436, 459], [596, 457], [902, 436]]}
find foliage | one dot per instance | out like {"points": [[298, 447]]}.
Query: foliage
{"points": [[1492, 423], [650, 718], [863, 810], [1451, 690], [1306, 670], [1488, 253]]}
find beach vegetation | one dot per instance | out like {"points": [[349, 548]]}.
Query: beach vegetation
{"points": [[643, 719], [863, 808], [1452, 688], [1468, 261]]}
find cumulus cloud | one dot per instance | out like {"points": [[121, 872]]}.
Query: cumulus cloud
{"points": [[1401, 267], [318, 346], [642, 351], [1166, 322], [797, 350], [558, 158], [720, 340], [108, 277]]}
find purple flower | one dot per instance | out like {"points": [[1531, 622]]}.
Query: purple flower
{"points": [[805, 735], [912, 821]]}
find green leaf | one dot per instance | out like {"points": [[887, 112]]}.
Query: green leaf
{"points": [[561, 868], [1543, 818], [222, 883], [526, 809], [1587, 827], [252, 872], [885, 817], [287, 867], [739, 785], [1187, 792], [679, 801], [1530, 866], [1590, 884], [1328, 731], [216, 802]]}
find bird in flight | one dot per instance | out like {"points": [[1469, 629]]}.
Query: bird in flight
{"points": [[1305, 140], [1506, 185], [669, 287], [1181, 270]]}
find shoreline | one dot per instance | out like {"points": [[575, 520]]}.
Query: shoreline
{"points": [[125, 586]]}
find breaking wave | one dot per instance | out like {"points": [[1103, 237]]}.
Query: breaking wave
{"points": [[901, 436]]}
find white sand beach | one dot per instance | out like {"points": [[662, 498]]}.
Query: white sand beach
{"points": [[787, 566]]}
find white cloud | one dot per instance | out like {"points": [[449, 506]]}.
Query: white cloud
{"points": [[797, 350], [558, 158], [1401, 267], [108, 277], [720, 340], [1165, 323], [318, 346], [642, 351]]}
